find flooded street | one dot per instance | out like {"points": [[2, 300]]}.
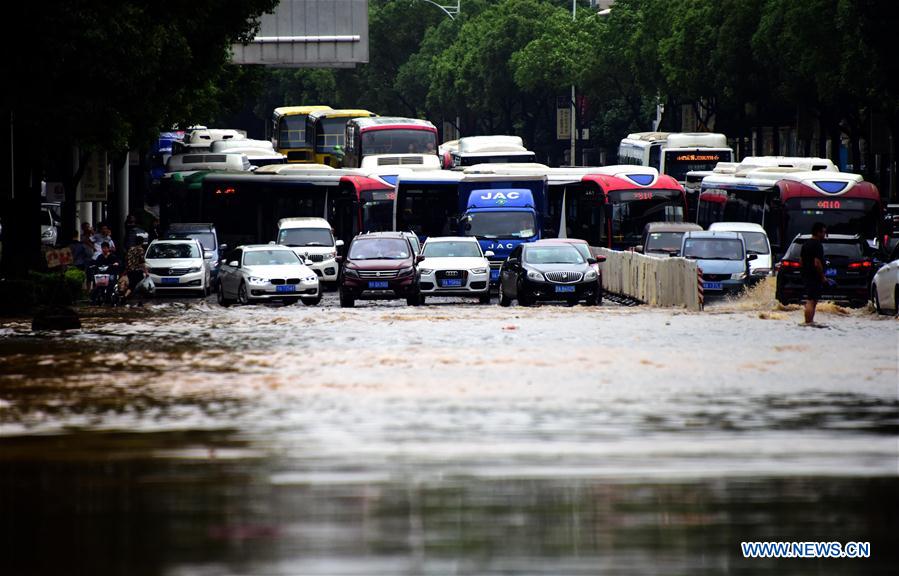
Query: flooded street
{"points": [[183, 438]]}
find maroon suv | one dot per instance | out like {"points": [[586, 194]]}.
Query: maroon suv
{"points": [[379, 265]]}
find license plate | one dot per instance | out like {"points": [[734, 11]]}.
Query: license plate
{"points": [[450, 282], [286, 288], [170, 280], [101, 279], [713, 286], [377, 284], [560, 289], [494, 274], [830, 272]]}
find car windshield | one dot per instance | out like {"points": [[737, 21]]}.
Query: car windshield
{"points": [[270, 258], [451, 250], [756, 242], [664, 242], [500, 225], [173, 250], [553, 255], [850, 250], [207, 239], [379, 249], [305, 237], [713, 249]]}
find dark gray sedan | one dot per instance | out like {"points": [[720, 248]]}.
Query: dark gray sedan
{"points": [[547, 271]]}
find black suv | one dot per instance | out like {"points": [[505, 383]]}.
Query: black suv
{"points": [[848, 261], [379, 265]]}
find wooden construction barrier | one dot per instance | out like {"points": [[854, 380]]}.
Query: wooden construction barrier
{"points": [[664, 282]]}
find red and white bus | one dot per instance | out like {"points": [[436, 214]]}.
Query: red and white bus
{"points": [[606, 206], [390, 141], [845, 203]]}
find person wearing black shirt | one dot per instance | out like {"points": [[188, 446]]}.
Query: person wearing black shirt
{"points": [[812, 255]]}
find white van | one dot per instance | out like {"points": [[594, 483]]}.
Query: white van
{"points": [[756, 240], [313, 240]]}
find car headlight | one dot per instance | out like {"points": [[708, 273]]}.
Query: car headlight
{"points": [[425, 271], [738, 276], [536, 276], [590, 275], [330, 256], [405, 272], [194, 269], [256, 280], [351, 272], [478, 270]]}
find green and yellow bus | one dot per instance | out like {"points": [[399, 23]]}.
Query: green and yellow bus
{"points": [[327, 133], [289, 133]]}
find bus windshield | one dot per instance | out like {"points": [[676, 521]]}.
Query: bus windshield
{"points": [[399, 142], [427, 209], [516, 224], [718, 205], [679, 162], [377, 210], [855, 216], [632, 210], [330, 134], [292, 131]]}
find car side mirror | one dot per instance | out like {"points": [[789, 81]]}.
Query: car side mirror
{"points": [[208, 254], [339, 259], [419, 258], [591, 261], [599, 259], [489, 253], [234, 263], [752, 257], [223, 247], [338, 244], [638, 248]]}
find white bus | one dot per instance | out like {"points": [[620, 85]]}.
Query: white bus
{"points": [[675, 153]]}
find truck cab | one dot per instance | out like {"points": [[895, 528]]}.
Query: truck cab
{"points": [[501, 218]]}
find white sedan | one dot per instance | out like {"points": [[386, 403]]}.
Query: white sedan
{"points": [[266, 272], [454, 266], [885, 286], [178, 265]]}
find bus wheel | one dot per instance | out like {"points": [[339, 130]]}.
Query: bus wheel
{"points": [[346, 301]]}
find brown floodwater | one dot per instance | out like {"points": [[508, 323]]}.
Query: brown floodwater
{"points": [[186, 439]]}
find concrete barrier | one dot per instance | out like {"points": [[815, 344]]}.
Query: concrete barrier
{"points": [[666, 282]]}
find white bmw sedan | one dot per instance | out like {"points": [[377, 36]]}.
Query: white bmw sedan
{"points": [[454, 266], [260, 272]]}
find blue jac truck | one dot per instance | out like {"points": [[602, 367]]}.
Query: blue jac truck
{"points": [[502, 212]]}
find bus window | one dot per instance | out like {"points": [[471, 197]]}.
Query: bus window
{"points": [[632, 210], [584, 215], [428, 211], [655, 156], [292, 132]]}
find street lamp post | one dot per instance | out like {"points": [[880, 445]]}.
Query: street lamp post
{"points": [[573, 101], [450, 9]]}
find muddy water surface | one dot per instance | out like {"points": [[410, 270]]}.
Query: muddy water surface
{"points": [[183, 438]]}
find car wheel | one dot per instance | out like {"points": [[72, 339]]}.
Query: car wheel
{"points": [[346, 301], [503, 299], [422, 299], [485, 299], [876, 299], [312, 301], [896, 300], [592, 300], [220, 296], [413, 300], [524, 299], [778, 295], [242, 295]]}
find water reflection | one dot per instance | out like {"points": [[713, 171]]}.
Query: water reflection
{"points": [[210, 503]]}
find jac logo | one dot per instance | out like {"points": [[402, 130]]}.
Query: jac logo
{"points": [[500, 245], [500, 197]]}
